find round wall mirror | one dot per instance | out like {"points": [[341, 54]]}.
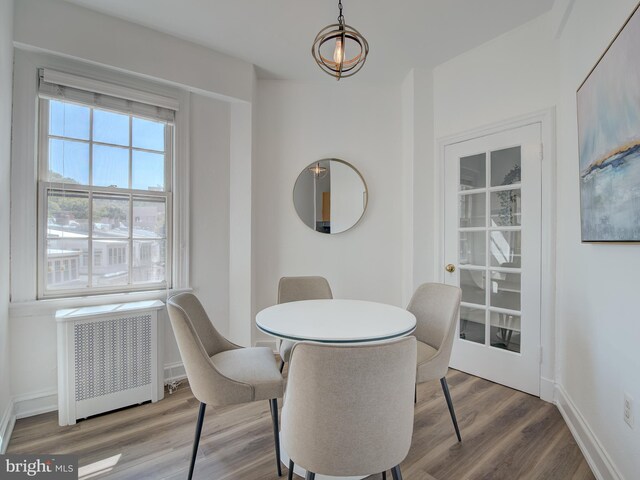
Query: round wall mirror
{"points": [[330, 196]]}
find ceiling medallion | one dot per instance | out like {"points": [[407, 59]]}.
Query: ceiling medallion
{"points": [[343, 38]]}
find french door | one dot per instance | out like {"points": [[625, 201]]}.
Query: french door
{"points": [[492, 248]]}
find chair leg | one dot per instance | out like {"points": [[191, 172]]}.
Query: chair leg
{"points": [[447, 396], [196, 440], [384, 475], [396, 473], [273, 404], [310, 476], [281, 365], [415, 394], [290, 475]]}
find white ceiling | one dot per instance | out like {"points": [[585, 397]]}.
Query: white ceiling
{"points": [[276, 35]]}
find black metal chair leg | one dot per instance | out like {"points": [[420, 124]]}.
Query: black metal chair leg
{"points": [[447, 396], [281, 365], [273, 404], [290, 475], [384, 475], [196, 440], [396, 473], [415, 395], [310, 476]]}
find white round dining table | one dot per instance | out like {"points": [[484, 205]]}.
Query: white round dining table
{"points": [[334, 321]]}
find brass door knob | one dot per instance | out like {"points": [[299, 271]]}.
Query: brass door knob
{"points": [[450, 268]]}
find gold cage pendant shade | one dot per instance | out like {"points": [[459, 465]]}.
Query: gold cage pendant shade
{"points": [[343, 38]]}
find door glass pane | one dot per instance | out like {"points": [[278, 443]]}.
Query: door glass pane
{"points": [[110, 166], [68, 161], [472, 210], [149, 218], [505, 331], [472, 248], [506, 248], [473, 172], [472, 283], [112, 268], [65, 265], [111, 216], [472, 324], [505, 166], [505, 208], [148, 261], [505, 290]]}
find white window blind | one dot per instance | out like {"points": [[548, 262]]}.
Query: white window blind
{"points": [[56, 85]]}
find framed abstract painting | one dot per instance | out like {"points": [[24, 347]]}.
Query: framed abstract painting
{"points": [[609, 141]]}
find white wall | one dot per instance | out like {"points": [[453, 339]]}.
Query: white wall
{"points": [[299, 123], [597, 330], [6, 80]]}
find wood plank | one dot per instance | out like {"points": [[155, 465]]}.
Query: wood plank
{"points": [[506, 434]]}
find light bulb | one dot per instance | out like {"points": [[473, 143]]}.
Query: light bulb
{"points": [[338, 53]]}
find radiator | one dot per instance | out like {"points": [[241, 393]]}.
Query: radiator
{"points": [[108, 358]]}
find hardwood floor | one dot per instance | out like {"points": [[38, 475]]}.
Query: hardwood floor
{"points": [[506, 435]]}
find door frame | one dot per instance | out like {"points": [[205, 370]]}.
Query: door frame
{"points": [[546, 119]]}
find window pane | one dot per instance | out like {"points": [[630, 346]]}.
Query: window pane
{"points": [[114, 263], [505, 290], [472, 248], [505, 166], [111, 216], [66, 264], [147, 134], [110, 166], [472, 210], [472, 322], [149, 259], [109, 127], [67, 214], [473, 173], [148, 171], [68, 161], [505, 208], [68, 120], [149, 218]]}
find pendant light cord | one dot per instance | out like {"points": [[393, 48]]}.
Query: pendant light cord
{"points": [[340, 16]]}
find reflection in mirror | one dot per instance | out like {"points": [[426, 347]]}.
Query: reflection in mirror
{"points": [[330, 196]]}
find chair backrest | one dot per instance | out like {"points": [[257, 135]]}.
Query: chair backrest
{"points": [[198, 340], [293, 289], [437, 308], [349, 409]]}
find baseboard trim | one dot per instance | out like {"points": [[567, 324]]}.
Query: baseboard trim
{"points": [[272, 344], [35, 403], [7, 423], [595, 454], [174, 372], [547, 389]]}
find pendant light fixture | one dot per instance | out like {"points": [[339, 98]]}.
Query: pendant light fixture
{"points": [[344, 39], [318, 171]]}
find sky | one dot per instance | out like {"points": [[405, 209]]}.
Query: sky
{"points": [[70, 156]]}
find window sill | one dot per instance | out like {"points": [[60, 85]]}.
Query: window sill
{"points": [[37, 308]]}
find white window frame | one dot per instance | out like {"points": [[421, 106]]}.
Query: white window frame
{"points": [[44, 186]]}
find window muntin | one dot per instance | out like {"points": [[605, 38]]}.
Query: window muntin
{"points": [[105, 180]]}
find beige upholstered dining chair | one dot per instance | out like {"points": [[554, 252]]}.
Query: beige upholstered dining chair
{"points": [[219, 372], [293, 289], [349, 409], [437, 308]]}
